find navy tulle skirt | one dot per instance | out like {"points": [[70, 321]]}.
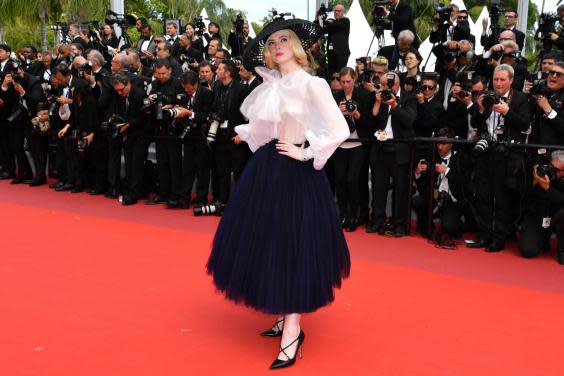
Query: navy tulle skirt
{"points": [[279, 247]]}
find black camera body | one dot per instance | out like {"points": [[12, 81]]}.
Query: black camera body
{"points": [[238, 24], [379, 18], [483, 142], [113, 125], [415, 83], [85, 69], [547, 170], [490, 99], [351, 105], [387, 93], [15, 67], [199, 25]]}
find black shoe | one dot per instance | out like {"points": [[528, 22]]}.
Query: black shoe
{"points": [[173, 204], [128, 200], [56, 185], [278, 363], [64, 187], [20, 181], [399, 232], [37, 182], [156, 200], [352, 225], [77, 189], [561, 258], [95, 192], [480, 243], [111, 193], [6, 176], [372, 228], [275, 331], [344, 222], [495, 246]]}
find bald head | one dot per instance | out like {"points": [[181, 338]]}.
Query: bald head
{"points": [[339, 11], [507, 35]]}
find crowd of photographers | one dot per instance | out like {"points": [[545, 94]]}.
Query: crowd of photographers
{"points": [[74, 112]]}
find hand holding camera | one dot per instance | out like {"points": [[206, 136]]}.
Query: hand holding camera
{"points": [[390, 100], [441, 168], [542, 181], [421, 167], [543, 103], [502, 107]]}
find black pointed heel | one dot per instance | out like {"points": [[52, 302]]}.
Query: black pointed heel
{"points": [[272, 332], [278, 363]]}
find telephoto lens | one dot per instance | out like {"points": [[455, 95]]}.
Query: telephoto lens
{"points": [[212, 209]]}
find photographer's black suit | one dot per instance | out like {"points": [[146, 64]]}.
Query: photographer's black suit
{"points": [[500, 177], [196, 162], [456, 117], [389, 159], [458, 175], [549, 131], [227, 102], [338, 51], [237, 43], [402, 19], [169, 149]]}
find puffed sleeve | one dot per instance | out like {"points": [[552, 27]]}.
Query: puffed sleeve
{"points": [[328, 128]]}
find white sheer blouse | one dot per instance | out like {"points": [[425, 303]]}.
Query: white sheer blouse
{"points": [[293, 108]]}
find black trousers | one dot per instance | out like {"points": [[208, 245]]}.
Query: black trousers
{"points": [[196, 166], [100, 154], [136, 152], [241, 155], [533, 236], [39, 148], [75, 163], [223, 148], [363, 188], [61, 160], [384, 166], [496, 195], [7, 157], [348, 164], [450, 215], [169, 166], [336, 61], [115, 146], [17, 138]]}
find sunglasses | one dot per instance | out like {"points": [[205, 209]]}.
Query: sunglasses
{"points": [[462, 18], [427, 87], [555, 73]]}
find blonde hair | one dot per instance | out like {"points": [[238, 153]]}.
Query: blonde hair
{"points": [[299, 53]]}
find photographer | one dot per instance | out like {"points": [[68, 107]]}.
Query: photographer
{"points": [[146, 46], [463, 101], [450, 24], [509, 24], [77, 133], [196, 160], [187, 55], [401, 17], [395, 112], [228, 150], [349, 157], [41, 68], [500, 176], [404, 42], [430, 110], [456, 58], [214, 32], [164, 92], [451, 180], [338, 30], [172, 38], [548, 125], [194, 37], [7, 159], [95, 73], [21, 94], [164, 52], [238, 38], [206, 72], [74, 34], [544, 210], [505, 52], [125, 128]]}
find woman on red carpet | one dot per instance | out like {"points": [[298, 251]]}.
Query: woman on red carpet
{"points": [[279, 247]]}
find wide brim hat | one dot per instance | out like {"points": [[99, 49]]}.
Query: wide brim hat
{"points": [[307, 32]]}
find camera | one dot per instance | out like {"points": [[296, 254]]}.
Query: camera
{"points": [[415, 83], [548, 170], [212, 132], [379, 18], [123, 20], [113, 125], [15, 72], [442, 14], [539, 84], [212, 209], [387, 93], [183, 58], [547, 25], [322, 12], [490, 99], [238, 24], [53, 104], [78, 137], [482, 143], [85, 69], [351, 105]]}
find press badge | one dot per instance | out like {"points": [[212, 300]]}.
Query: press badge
{"points": [[546, 222], [330, 48], [381, 135]]}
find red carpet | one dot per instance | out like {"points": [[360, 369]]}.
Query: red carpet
{"points": [[88, 287]]}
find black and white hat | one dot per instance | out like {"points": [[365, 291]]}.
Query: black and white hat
{"points": [[307, 31]]}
